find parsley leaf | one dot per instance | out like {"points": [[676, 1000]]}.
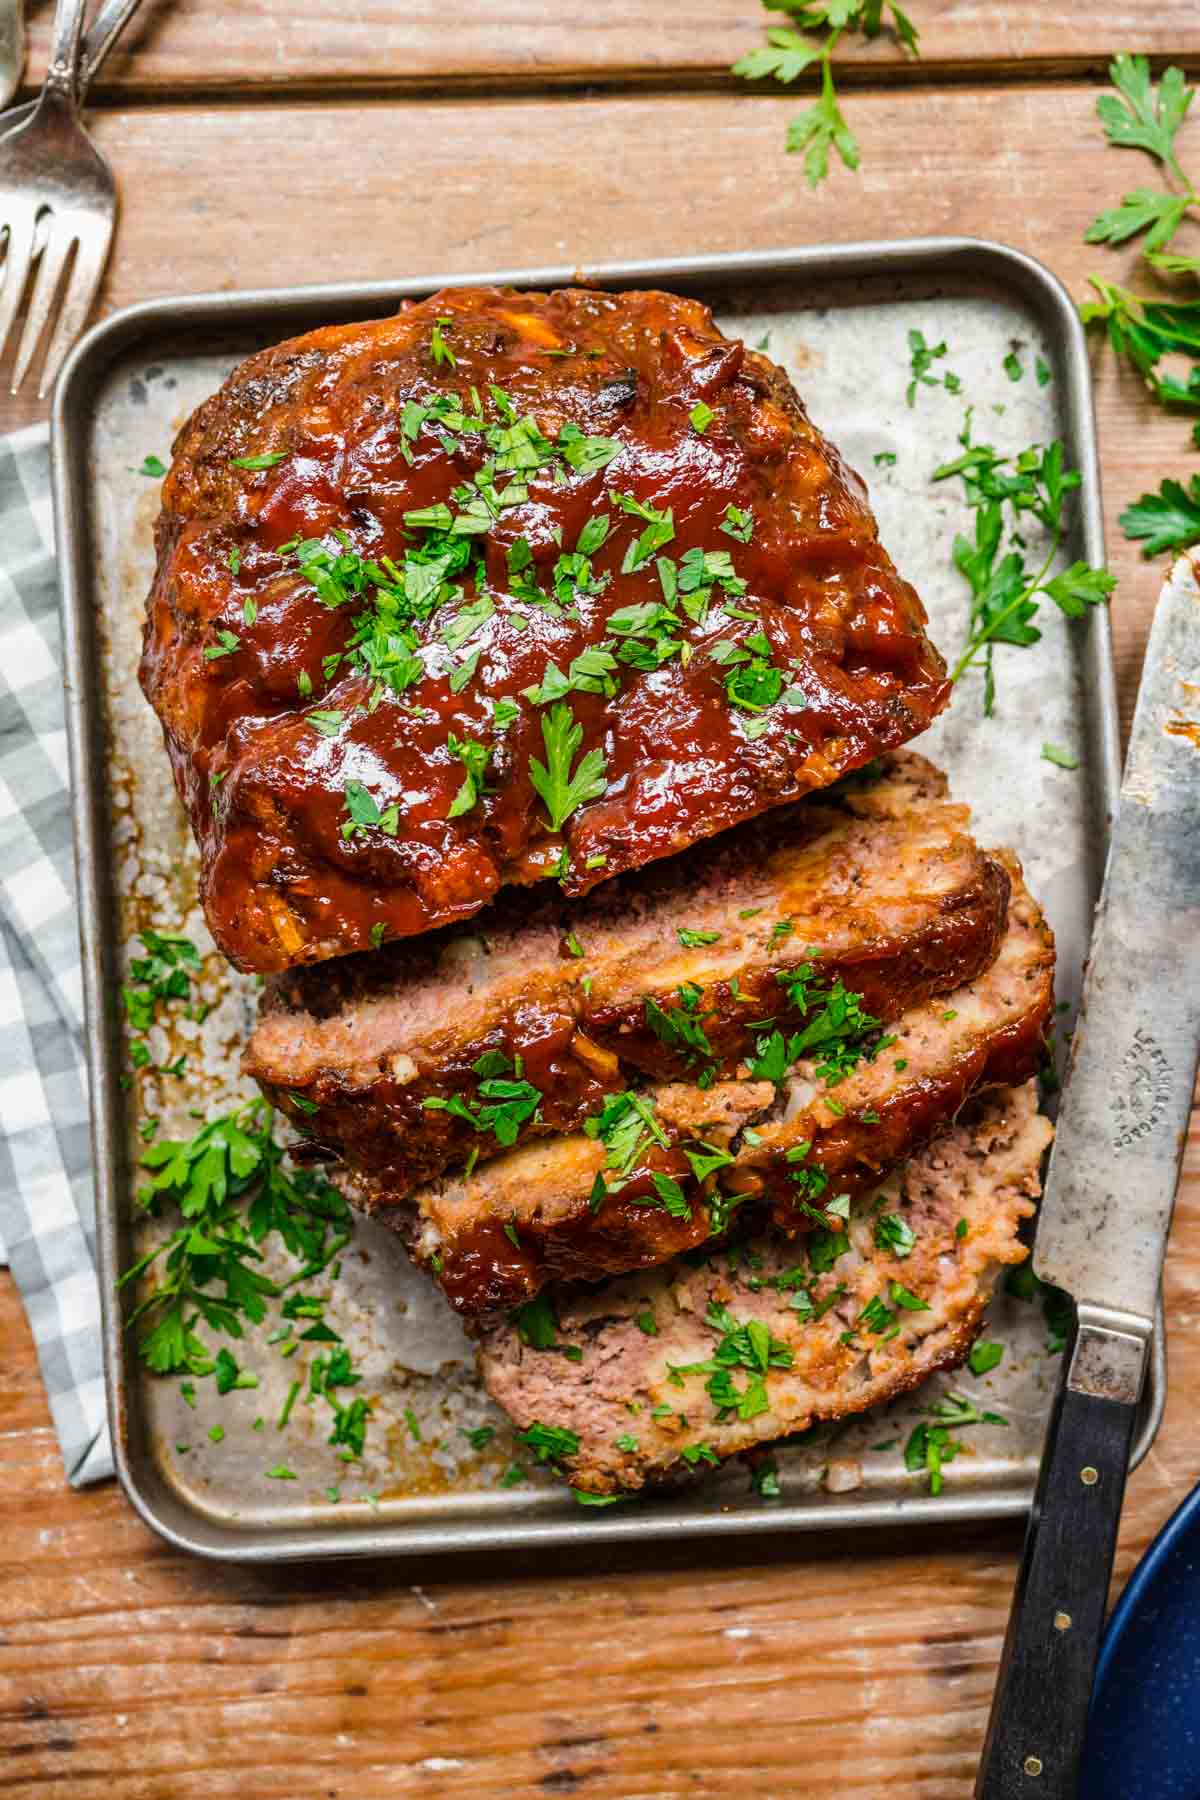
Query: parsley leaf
{"points": [[268, 460], [1140, 119], [1158, 215], [560, 791], [1168, 520], [474, 758]]}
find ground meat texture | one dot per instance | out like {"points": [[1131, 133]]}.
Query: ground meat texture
{"points": [[494, 1237], [877, 883], [325, 781], [622, 1420]]}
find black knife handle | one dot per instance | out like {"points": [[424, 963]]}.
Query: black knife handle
{"points": [[1039, 1714]]}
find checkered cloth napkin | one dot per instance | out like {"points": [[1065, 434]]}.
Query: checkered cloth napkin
{"points": [[47, 1215]]}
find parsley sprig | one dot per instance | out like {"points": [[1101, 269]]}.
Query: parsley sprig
{"points": [[1143, 330], [808, 43], [1005, 595], [231, 1188]]}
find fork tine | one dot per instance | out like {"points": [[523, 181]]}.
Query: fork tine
{"points": [[95, 237], [41, 300], [16, 267]]}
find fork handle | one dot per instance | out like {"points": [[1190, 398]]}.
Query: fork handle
{"points": [[62, 75], [100, 37]]}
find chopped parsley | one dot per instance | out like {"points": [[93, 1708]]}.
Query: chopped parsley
{"points": [[695, 940], [681, 1028], [922, 357], [365, 813], [227, 642], [268, 460], [659, 529], [985, 1357], [508, 1101], [549, 1443], [474, 758], [439, 349], [743, 1345], [738, 523], [627, 1127], [536, 1323], [895, 1234]]}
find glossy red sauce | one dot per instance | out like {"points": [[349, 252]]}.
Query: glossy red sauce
{"points": [[266, 792]]}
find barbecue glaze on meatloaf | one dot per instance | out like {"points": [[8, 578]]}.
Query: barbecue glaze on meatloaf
{"points": [[667, 973], [669, 1379], [557, 1209], [506, 587]]}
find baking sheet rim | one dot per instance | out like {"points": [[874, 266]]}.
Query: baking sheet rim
{"points": [[926, 257]]}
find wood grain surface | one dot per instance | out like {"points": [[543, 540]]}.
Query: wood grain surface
{"points": [[213, 46], [842, 1667]]}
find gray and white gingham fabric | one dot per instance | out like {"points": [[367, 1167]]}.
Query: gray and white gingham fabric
{"points": [[47, 1219]]}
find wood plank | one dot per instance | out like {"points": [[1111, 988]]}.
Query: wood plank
{"points": [[214, 45], [847, 1667]]}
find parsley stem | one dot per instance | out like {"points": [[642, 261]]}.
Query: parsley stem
{"points": [[978, 639]]}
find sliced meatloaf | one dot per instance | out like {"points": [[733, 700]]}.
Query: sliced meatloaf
{"points": [[507, 588], [662, 1168], [666, 1372], [420, 1056]]}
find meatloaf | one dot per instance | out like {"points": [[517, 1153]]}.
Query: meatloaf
{"points": [[420, 1056], [664, 1168], [668, 1372], [506, 588]]}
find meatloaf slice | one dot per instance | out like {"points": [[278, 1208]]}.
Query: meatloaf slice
{"points": [[662, 1169], [508, 587], [685, 1365], [668, 973]]}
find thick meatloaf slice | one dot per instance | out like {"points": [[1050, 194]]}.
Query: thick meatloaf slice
{"points": [[688, 1364], [670, 1164], [668, 973], [508, 587]]}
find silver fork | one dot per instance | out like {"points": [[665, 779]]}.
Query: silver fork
{"points": [[98, 40], [50, 170]]}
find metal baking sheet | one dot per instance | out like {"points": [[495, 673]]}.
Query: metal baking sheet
{"points": [[837, 319]]}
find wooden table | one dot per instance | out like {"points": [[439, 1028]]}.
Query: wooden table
{"points": [[276, 141]]}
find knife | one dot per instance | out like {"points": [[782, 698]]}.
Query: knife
{"points": [[1106, 1212]]}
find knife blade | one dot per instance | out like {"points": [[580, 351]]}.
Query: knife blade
{"points": [[1106, 1212]]}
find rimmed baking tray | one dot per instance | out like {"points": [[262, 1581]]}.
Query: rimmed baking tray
{"points": [[839, 319]]}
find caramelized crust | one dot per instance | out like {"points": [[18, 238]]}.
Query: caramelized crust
{"points": [[493, 1238], [634, 1400], [878, 884], [241, 650]]}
